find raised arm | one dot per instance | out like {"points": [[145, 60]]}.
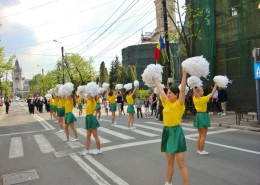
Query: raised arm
{"points": [[213, 90], [133, 91], [160, 89], [183, 87]]}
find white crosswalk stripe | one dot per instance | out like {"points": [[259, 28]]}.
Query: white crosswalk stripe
{"points": [[43, 144], [116, 134], [16, 148], [136, 131], [82, 132]]}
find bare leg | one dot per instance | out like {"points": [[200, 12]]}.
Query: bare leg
{"points": [[67, 131], [95, 134], [170, 166], [203, 138], [74, 130], [88, 139], [180, 158]]}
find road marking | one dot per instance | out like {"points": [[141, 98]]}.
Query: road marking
{"points": [[148, 127], [116, 134], [92, 173], [226, 146], [44, 122], [126, 145], [106, 171], [43, 144], [82, 132], [72, 144], [20, 133], [184, 128], [136, 131], [16, 148], [213, 132]]}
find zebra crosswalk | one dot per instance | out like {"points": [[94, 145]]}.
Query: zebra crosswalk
{"points": [[108, 134]]}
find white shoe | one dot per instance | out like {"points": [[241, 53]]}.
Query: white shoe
{"points": [[167, 183], [97, 152], [66, 140], [198, 151], [219, 113], [203, 152], [211, 113], [223, 114], [61, 130], [84, 152], [76, 139]]}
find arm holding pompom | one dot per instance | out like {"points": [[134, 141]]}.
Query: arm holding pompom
{"points": [[213, 90], [160, 88], [183, 86]]}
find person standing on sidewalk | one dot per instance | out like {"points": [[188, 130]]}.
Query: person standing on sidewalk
{"points": [[214, 102], [222, 98], [138, 106], [119, 103], [146, 106], [202, 121], [7, 105]]}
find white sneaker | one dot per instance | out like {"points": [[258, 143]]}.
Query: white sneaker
{"points": [[198, 151], [84, 152], [167, 183], [203, 152], [210, 113], [76, 139], [61, 130], [97, 152], [66, 140], [219, 113], [223, 114]]}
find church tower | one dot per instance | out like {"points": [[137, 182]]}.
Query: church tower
{"points": [[18, 79]]}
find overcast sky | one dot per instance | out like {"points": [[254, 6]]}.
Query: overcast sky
{"points": [[92, 28]]}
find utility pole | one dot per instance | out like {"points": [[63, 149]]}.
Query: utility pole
{"points": [[62, 62], [167, 47]]}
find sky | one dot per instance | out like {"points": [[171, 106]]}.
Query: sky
{"points": [[91, 28]]}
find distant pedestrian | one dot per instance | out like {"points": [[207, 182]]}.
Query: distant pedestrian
{"points": [[7, 105], [119, 98], [146, 107], [122, 107], [214, 102], [138, 106], [106, 105]]}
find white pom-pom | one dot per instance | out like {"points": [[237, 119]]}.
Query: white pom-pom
{"points": [[150, 72], [128, 86], [67, 88], [221, 81], [92, 89], [186, 89], [101, 90], [56, 89], [81, 91], [194, 81], [48, 96], [119, 86], [105, 85], [61, 91], [136, 83], [156, 90], [51, 91], [196, 66]]}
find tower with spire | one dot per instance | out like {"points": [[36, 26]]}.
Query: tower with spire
{"points": [[18, 79]]}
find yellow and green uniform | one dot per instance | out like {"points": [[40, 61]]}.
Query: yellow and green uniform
{"points": [[61, 107], [173, 139], [91, 121], [52, 104], [69, 116], [130, 102], [112, 102], [202, 118], [80, 105], [55, 104]]}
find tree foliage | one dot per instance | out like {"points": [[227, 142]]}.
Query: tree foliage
{"points": [[103, 74], [5, 65]]}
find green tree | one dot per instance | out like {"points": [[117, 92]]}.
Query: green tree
{"points": [[114, 72], [5, 86], [131, 74]]}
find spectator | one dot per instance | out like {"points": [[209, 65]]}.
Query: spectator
{"points": [[222, 98], [214, 102], [153, 103], [146, 107], [7, 105], [119, 103], [138, 106]]}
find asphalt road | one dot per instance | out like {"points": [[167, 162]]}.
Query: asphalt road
{"points": [[32, 151]]}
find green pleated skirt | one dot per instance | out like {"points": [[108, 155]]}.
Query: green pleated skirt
{"points": [[98, 106], [51, 108], [79, 106], [91, 122], [112, 107], [130, 109], [70, 118], [173, 140], [55, 108], [61, 112], [201, 120]]}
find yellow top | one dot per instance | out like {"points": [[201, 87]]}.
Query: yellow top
{"points": [[68, 105], [79, 100], [55, 103], [61, 103], [129, 99], [112, 99], [52, 101], [201, 103], [90, 106], [172, 113]]}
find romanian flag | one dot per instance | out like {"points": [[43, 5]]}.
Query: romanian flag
{"points": [[158, 49]]}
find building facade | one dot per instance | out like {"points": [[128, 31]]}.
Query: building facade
{"points": [[18, 80]]}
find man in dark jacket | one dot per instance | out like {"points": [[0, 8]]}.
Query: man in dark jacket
{"points": [[222, 99]]}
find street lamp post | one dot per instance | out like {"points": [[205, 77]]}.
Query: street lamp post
{"points": [[62, 60], [42, 78]]}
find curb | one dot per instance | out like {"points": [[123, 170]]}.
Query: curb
{"points": [[255, 129]]}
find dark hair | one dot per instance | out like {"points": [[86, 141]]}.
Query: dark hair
{"points": [[175, 90], [110, 93], [127, 92], [74, 100]]}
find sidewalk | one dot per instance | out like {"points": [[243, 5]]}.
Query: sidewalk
{"points": [[228, 121]]}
